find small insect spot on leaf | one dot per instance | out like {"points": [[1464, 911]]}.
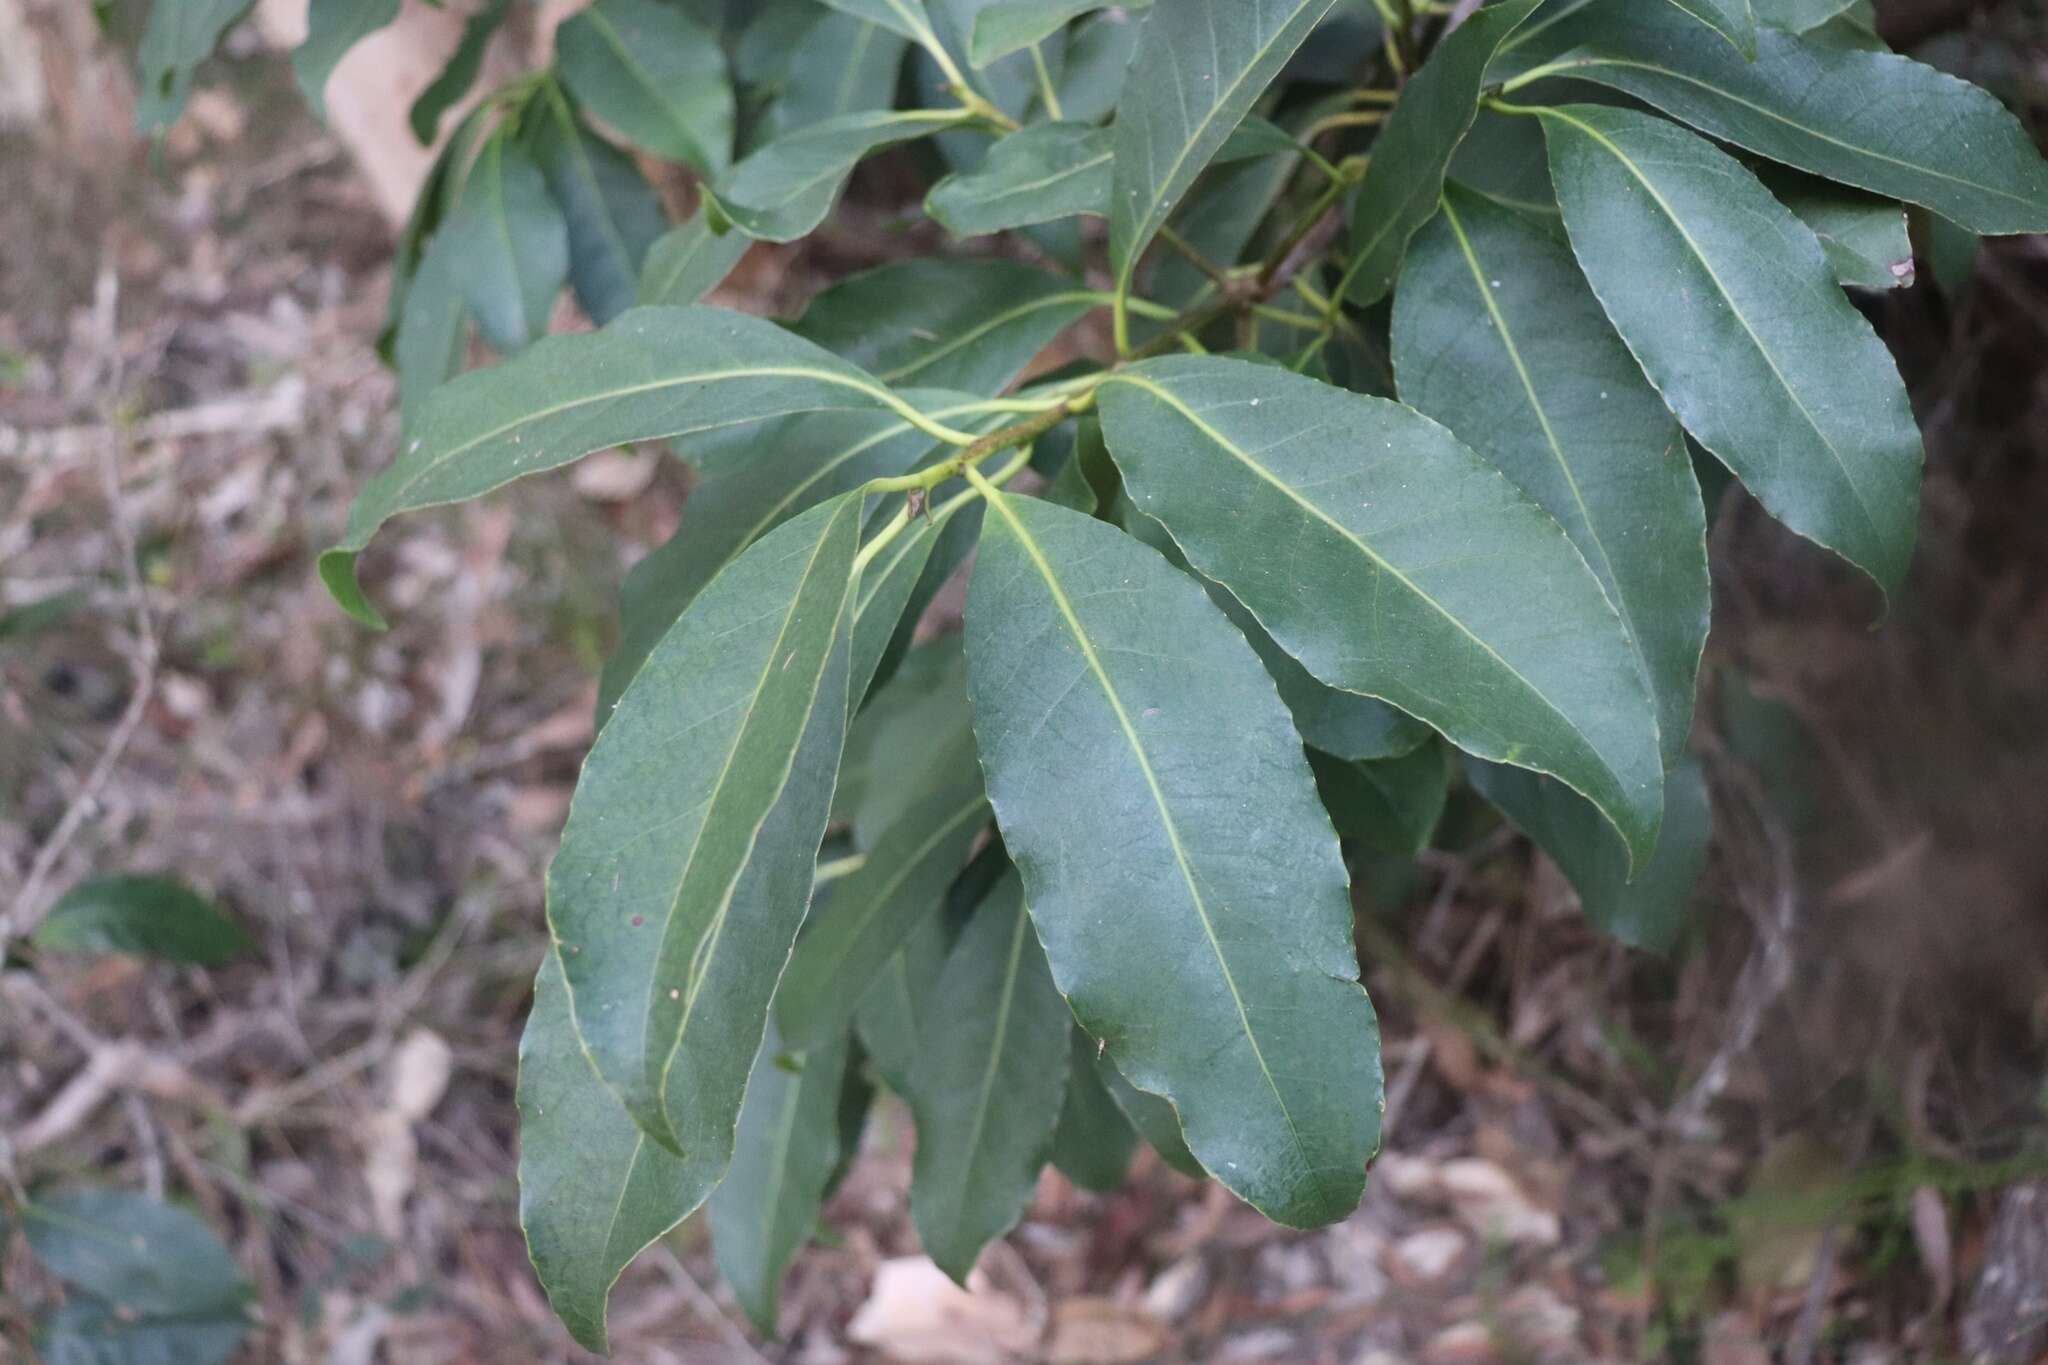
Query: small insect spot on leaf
{"points": [[638, 920]]}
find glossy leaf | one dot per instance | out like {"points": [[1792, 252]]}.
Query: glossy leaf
{"points": [[1093, 1141], [653, 373], [685, 867], [1732, 19], [179, 35], [1393, 804], [1646, 912], [1497, 336], [1391, 560], [1864, 237], [448, 88], [789, 1144], [613, 215], [1047, 172], [874, 912], [1413, 152], [594, 1191], [1877, 121], [686, 263], [652, 72], [1183, 877], [1211, 59], [1152, 1117], [1733, 311], [512, 245], [1012, 25], [150, 916], [785, 189], [987, 1086], [332, 28]]}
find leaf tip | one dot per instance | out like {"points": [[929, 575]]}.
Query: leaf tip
{"points": [[338, 573]]}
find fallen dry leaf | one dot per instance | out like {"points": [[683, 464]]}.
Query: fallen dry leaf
{"points": [[1097, 1331], [915, 1314]]}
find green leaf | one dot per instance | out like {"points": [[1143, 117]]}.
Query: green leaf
{"points": [[1648, 912], [1093, 1143], [686, 864], [1393, 804], [914, 736], [784, 190], [447, 89], [1047, 172], [841, 65], [1405, 178], [900, 584], [906, 17], [332, 28], [148, 916], [1732, 309], [1183, 877], [1732, 19], [655, 74], [1208, 60], [433, 327], [1869, 119], [892, 1012], [653, 373], [1152, 1117], [1799, 16], [789, 1145], [1012, 25], [688, 262], [1497, 336], [512, 252], [613, 214], [1391, 560], [971, 325], [987, 1085], [594, 1191], [874, 912], [179, 36], [1864, 237], [1256, 137], [1091, 79]]}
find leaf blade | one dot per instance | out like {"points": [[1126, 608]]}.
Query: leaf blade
{"points": [[656, 75], [1046, 172]]}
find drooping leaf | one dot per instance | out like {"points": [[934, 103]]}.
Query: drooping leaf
{"points": [[1182, 875], [686, 263], [1091, 79], [914, 736], [1093, 1143], [594, 1191], [1255, 137], [149, 916], [433, 328], [685, 867], [1152, 1117], [1646, 912], [1046, 172], [785, 189], [512, 252], [147, 1282], [332, 28], [613, 215], [653, 373], [447, 89], [1732, 309], [1497, 336], [874, 912], [1412, 153], [841, 65], [1864, 237], [987, 1084], [1877, 121], [971, 325], [655, 74], [1393, 804], [179, 36], [1008, 26], [1391, 560], [1209, 60], [901, 583], [1732, 19], [789, 1144]]}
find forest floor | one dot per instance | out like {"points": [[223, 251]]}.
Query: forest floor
{"points": [[1814, 1135]]}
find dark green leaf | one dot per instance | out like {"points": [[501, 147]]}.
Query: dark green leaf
{"points": [[149, 916], [594, 1191], [332, 28], [785, 189], [1869, 119], [892, 1013], [512, 252], [900, 584], [686, 864], [44, 614], [915, 736], [1391, 560], [1864, 236], [1152, 1117], [987, 1084], [840, 66], [1732, 19], [1048, 171], [789, 1144], [652, 72], [1012, 25], [1648, 912], [433, 328], [1731, 307], [1099, 53], [448, 88], [1413, 152], [131, 1252], [1392, 804], [1208, 60], [613, 214], [1184, 878], [688, 262], [1798, 16], [179, 36], [906, 17], [1497, 336], [1093, 1143]]}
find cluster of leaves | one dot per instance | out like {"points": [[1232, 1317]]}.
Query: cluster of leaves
{"points": [[1496, 284]]}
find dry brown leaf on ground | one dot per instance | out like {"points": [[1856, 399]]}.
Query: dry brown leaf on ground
{"points": [[915, 1314]]}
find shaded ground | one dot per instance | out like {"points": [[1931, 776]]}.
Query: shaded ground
{"points": [[1811, 1134]]}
